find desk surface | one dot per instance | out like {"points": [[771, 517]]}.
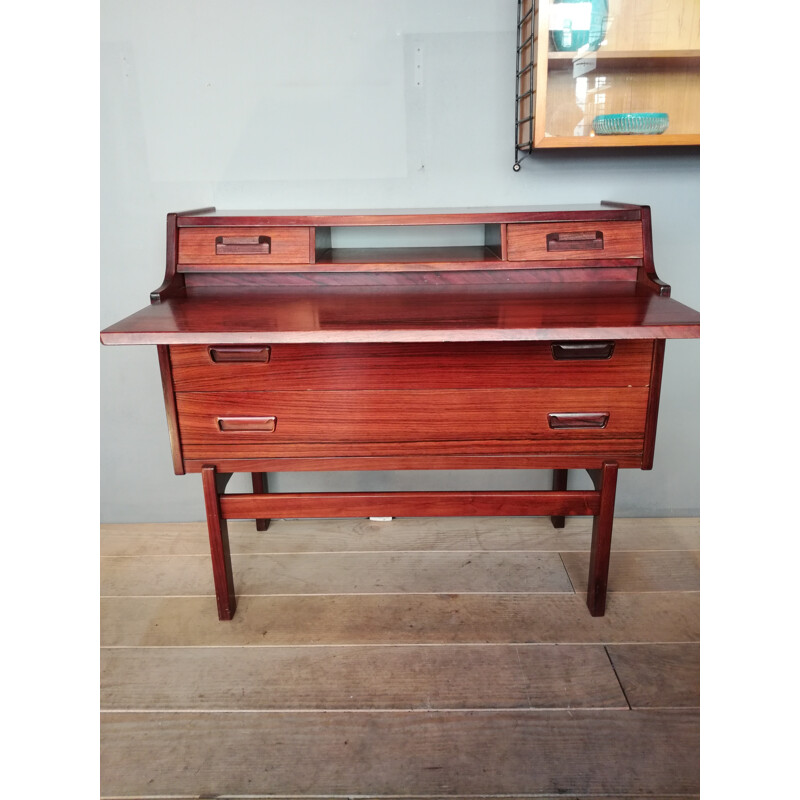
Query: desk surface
{"points": [[332, 314]]}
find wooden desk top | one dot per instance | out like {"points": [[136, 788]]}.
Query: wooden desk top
{"points": [[333, 314]]}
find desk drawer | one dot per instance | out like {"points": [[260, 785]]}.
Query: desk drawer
{"points": [[566, 241], [270, 419], [219, 247], [456, 365]]}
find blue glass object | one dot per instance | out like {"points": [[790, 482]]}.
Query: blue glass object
{"points": [[607, 124]]}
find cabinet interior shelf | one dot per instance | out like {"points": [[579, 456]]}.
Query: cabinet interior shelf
{"points": [[624, 55], [621, 140]]}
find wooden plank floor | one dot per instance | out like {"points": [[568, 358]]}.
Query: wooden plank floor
{"points": [[412, 658]]}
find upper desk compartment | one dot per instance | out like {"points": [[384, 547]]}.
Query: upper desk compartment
{"points": [[444, 275], [599, 236], [607, 73]]}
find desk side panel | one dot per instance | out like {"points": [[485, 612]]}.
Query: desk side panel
{"points": [[165, 366], [653, 403]]}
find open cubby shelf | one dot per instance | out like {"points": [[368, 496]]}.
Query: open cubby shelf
{"points": [[409, 256], [452, 245]]}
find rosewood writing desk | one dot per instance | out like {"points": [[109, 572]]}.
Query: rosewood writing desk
{"points": [[539, 346]]}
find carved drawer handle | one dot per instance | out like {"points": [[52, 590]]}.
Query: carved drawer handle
{"points": [[575, 240], [223, 353], [253, 424], [242, 245], [582, 351], [578, 419]]}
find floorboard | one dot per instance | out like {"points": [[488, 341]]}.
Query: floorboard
{"points": [[658, 675], [346, 677], [396, 753], [399, 619]]}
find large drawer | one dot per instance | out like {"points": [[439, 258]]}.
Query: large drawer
{"points": [[270, 419], [218, 247], [456, 365], [566, 241]]}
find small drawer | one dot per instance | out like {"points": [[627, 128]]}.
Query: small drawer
{"points": [[565, 241], [217, 247]]}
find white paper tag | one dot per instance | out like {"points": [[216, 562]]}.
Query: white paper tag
{"points": [[582, 65]]}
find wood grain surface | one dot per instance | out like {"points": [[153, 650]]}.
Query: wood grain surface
{"points": [[470, 454], [406, 678], [196, 247], [409, 504], [407, 216], [606, 310], [519, 272], [346, 573], [400, 753], [530, 241], [400, 619], [401, 689], [642, 572], [456, 365], [658, 675], [392, 415]]}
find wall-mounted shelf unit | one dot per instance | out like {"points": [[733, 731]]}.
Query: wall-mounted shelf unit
{"points": [[596, 73]]}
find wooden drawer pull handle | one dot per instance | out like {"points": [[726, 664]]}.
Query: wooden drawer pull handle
{"points": [[577, 240], [224, 354], [255, 424], [581, 351], [242, 245], [578, 419]]}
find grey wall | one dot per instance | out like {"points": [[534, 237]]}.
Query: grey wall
{"points": [[268, 104]]}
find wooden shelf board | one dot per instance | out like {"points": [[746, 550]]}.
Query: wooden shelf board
{"points": [[452, 256], [622, 140], [624, 55]]}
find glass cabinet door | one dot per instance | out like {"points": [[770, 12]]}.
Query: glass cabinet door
{"points": [[605, 73]]}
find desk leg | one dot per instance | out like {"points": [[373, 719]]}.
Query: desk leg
{"points": [[559, 485], [605, 481], [260, 486], [220, 548]]}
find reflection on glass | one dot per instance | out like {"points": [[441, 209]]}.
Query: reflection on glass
{"points": [[585, 66], [631, 64], [577, 25]]}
